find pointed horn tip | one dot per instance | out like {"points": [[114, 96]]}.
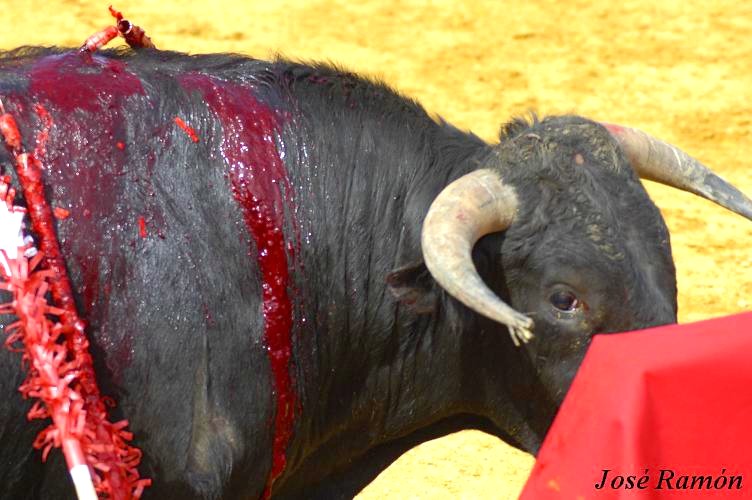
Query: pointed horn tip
{"points": [[520, 330]]}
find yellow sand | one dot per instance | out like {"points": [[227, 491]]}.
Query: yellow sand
{"points": [[678, 69]]}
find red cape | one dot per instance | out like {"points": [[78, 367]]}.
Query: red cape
{"points": [[668, 400]]}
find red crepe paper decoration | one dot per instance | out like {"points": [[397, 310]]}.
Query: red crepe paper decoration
{"points": [[54, 347]]}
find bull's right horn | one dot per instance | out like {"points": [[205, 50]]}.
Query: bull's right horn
{"points": [[659, 161], [472, 206]]}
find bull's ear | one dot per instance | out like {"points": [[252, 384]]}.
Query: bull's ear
{"points": [[414, 287]]}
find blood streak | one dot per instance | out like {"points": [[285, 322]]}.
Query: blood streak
{"points": [[256, 175], [40, 150], [142, 227], [60, 213], [187, 128], [80, 102]]}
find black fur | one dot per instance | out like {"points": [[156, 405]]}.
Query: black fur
{"points": [[383, 358]]}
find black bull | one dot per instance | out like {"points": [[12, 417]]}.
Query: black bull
{"points": [[258, 302]]}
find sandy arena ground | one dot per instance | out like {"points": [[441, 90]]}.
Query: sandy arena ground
{"points": [[678, 69]]}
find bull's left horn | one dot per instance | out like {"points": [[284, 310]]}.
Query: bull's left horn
{"points": [[658, 161], [474, 205]]}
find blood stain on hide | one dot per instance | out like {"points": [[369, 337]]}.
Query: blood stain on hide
{"points": [[60, 213], [186, 128], [40, 150], [79, 102], [142, 227], [257, 175], [72, 81]]}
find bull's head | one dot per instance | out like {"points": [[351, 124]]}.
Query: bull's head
{"points": [[584, 250]]}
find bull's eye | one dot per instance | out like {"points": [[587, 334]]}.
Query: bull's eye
{"points": [[564, 301]]}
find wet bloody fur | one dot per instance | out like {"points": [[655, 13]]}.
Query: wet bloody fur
{"points": [[257, 176], [48, 86], [66, 85], [85, 166]]}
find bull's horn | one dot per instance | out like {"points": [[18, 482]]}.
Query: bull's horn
{"points": [[472, 206], [658, 161]]}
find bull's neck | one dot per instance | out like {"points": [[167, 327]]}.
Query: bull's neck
{"points": [[381, 370]]}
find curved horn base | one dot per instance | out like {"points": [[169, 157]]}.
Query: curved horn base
{"points": [[472, 206]]}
